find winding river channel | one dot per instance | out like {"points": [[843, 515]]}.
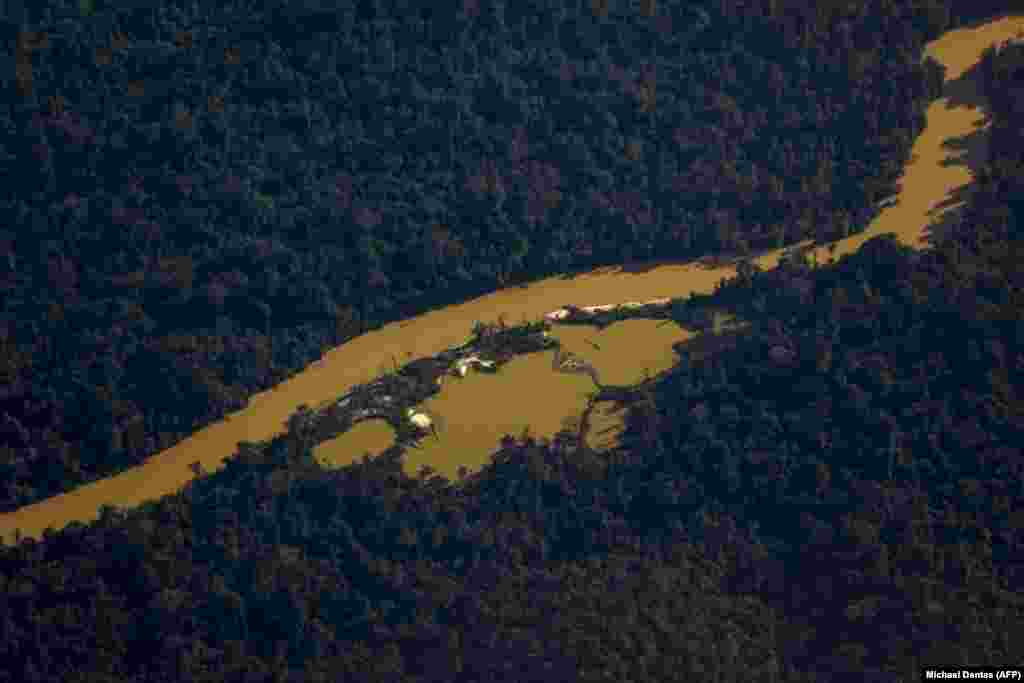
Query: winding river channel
{"points": [[480, 408]]}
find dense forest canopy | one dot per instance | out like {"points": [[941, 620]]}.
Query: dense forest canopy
{"points": [[205, 199], [859, 525]]}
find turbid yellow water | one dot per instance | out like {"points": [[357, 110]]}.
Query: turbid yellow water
{"points": [[477, 410], [926, 186], [366, 437]]}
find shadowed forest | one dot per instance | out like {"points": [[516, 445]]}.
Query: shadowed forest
{"points": [[202, 199], [205, 203]]}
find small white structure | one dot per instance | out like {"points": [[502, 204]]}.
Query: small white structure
{"points": [[421, 420], [463, 365]]}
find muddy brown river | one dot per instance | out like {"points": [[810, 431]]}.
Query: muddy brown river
{"points": [[478, 409]]}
